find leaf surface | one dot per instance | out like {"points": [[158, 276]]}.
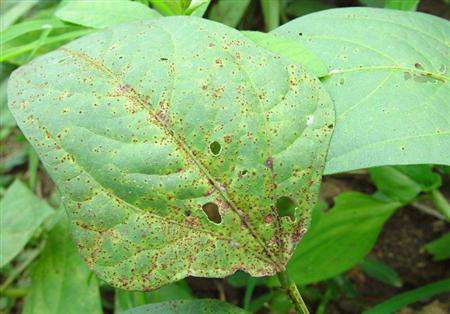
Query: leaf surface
{"points": [[389, 81], [22, 213], [101, 14], [339, 238], [439, 248], [61, 282], [204, 306], [404, 183], [291, 49], [172, 142]]}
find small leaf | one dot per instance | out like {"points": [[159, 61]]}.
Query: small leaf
{"points": [[291, 49], [389, 79], [61, 282], [125, 300], [22, 28], [403, 299], [439, 248], [381, 272], [404, 183], [135, 109], [101, 14], [203, 306], [228, 12], [300, 8], [14, 11], [22, 213], [405, 5], [340, 238]]}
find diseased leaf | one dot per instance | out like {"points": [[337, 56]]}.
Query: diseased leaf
{"points": [[204, 306], [389, 81], [61, 282], [439, 248], [339, 238], [22, 213], [101, 14], [291, 49], [171, 141]]}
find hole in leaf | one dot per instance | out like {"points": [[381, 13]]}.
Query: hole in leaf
{"points": [[418, 66], [212, 211], [242, 173], [215, 148], [286, 207]]}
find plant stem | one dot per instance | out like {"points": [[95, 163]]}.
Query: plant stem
{"points": [[291, 289]]}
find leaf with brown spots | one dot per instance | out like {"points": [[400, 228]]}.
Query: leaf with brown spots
{"points": [[172, 141]]}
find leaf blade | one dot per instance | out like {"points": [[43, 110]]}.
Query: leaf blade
{"points": [[381, 90], [158, 199], [22, 214]]}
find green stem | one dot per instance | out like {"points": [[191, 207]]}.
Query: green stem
{"points": [[291, 289], [249, 292]]}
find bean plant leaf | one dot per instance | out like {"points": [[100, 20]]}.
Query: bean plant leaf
{"points": [[439, 248], [389, 81], [173, 141], [61, 282], [101, 14], [291, 49], [404, 183], [229, 12], [204, 306], [340, 238], [22, 214]]}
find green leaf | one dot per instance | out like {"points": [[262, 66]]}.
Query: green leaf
{"points": [[229, 12], [381, 272], [164, 176], [389, 82], [61, 281], [101, 14], [404, 183], [7, 122], [124, 300], [401, 300], [291, 49], [405, 5], [439, 248], [338, 239], [271, 13], [197, 7], [303, 7], [17, 30], [15, 11], [12, 53], [175, 291], [171, 7], [203, 306], [22, 213]]}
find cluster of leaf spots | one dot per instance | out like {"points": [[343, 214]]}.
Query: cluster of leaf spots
{"points": [[179, 146]]}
